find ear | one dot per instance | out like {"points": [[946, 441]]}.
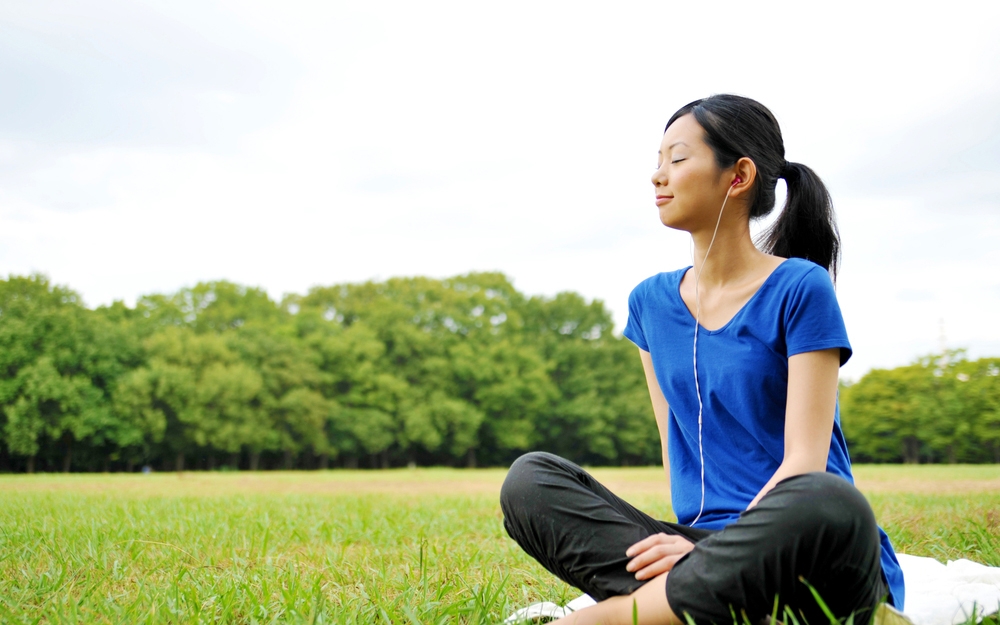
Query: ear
{"points": [[745, 171]]}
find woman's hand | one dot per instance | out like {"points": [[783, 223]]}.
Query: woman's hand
{"points": [[656, 554]]}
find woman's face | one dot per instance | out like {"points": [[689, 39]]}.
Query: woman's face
{"points": [[688, 183]]}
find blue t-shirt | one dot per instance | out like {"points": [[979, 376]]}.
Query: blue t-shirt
{"points": [[743, 374]]}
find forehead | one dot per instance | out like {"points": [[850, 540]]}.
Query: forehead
{"points": [[685, 129]]}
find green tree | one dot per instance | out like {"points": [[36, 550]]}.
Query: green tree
{"points": [[883, 416], [939, 408], [211, 307], [296, 411], [56, 368], [510, 385], [984, 391], [195, 393], [602, 412]]}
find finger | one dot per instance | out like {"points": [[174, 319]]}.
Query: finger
{"points": [[657, 539], [644, 558], [668, 545], [645, 544], [651, 555], [660, 566], [675, 549]]}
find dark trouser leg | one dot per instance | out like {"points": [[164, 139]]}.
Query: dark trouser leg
{"points": [[814, 526], [575, 527]]}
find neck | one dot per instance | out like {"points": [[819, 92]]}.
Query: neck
{"points": [[732, 254]]}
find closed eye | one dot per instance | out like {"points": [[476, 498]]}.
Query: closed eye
{"points": [[679, 160]]}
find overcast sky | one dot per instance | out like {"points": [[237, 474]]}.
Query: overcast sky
{"points": [[147, 146]]}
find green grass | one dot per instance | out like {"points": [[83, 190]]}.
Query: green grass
{"points": [[423, 546]]}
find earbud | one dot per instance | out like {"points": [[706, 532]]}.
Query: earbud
{"points": [[737, 181]]}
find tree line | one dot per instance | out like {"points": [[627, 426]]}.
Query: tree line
{"points": [[463, 371], [941, 408]]}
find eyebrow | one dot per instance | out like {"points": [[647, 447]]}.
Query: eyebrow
{"points": [[673, 145]]}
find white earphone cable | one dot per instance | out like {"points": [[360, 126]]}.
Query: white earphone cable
{"points": [[697, 325]]}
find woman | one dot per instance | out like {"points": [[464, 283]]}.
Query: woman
{"points": [[746, 406]]}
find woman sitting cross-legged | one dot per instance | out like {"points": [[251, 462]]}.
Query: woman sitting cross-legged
{"points": [[741, 354]]}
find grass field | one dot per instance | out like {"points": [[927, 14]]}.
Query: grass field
{"points": [[400, 546]]}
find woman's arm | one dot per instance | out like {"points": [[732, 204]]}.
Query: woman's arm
{"points": [[656, 554], [660, 408], [812, 397], [649, 603]]}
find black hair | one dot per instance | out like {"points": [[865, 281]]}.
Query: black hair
{"points": [[737, 127]]}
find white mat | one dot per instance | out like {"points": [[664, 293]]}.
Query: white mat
{"points": [[936, 594], [947, 594]]}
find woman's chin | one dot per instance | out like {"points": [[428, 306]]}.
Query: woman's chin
{"points": [[672, 221]]}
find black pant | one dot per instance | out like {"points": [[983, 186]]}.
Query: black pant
{"points": [[815, 527]]}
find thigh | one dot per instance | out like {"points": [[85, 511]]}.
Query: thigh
{"points": [[811, 530], [574, 526]]}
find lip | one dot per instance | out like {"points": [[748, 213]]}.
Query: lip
{"points": [[663, 199]]}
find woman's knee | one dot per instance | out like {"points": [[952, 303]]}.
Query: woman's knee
{"points": [[828, 503], [520, 486]]}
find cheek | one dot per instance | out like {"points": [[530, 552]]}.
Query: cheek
{"points": [[684, 180]]}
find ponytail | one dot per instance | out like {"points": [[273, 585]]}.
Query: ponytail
{"points": [[806, 227], [737, 127]]}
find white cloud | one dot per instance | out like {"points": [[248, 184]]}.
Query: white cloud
{"points": [[292, 144]]}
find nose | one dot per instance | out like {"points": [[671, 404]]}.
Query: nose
{"points": [[659, 177]]}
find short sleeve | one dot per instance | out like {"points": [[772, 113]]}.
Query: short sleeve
{"points": [[633, 328], [813, 320]]}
